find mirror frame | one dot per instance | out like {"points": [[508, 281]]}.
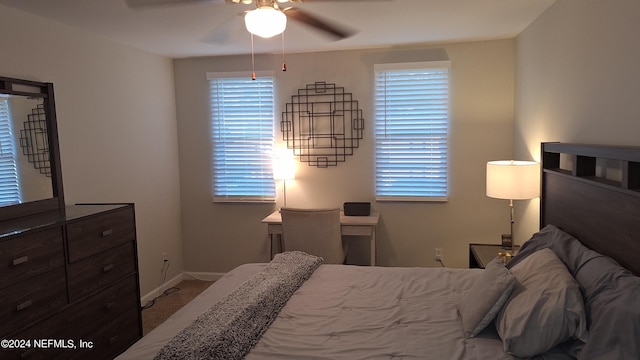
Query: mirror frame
{"points": [[42, 90]]}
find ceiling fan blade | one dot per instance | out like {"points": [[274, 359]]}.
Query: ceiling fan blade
{"points": [[335, 31], [229, 29], [149, 3]]}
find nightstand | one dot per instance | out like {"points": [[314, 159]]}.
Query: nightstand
{"points": [[482, 254]]}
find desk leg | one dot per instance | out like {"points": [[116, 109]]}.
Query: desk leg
{"points": [[271, 246], [373, 247], [279, 249]]}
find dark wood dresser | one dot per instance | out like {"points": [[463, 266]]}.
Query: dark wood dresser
{"points": [[69, 285]]}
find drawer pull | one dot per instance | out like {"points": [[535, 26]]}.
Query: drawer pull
{"points": [[107, 268], [23, 305], [20, 260], [107, 233]]}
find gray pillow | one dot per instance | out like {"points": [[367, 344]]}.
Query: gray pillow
{"points": [[545, 307], [490, 292], [611, 298], [567, 248]]}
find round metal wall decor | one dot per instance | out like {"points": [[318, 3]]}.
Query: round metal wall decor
{"points": [[322, 124], [34, 140]]}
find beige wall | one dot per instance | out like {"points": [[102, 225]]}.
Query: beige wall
{"points": [[116, 122], [575, 75], [218, 237], [578, 79]]}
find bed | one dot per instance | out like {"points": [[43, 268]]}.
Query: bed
{"points": [[558, 298]]}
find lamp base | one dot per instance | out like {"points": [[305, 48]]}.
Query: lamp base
{"points": [[507, 241]]}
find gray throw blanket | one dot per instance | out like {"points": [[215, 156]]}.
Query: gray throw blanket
{"points": [[231, 327]]}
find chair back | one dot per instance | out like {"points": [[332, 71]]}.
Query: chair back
{"points": [[314, 231]]}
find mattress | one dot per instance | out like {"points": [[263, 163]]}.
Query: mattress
{"points": [[353, 312]]}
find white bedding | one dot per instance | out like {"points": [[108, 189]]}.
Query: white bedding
{"points": [[352, 312]]}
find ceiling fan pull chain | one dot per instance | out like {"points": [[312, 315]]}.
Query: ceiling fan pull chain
{"points": [[253, 61], [284, 64]]}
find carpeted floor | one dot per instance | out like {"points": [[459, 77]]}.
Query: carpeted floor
{"points": [[165, 305]]}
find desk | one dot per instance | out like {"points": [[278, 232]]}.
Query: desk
{"points": [[349, 225]]}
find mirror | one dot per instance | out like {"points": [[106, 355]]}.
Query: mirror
{"points": [[24, 150], [30, 178]]}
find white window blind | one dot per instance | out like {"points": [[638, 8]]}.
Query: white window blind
{"points": [[411, 131], [9, 185], [242, 118]]}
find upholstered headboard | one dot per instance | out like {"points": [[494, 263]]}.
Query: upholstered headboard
{"points": [[593, 193]]}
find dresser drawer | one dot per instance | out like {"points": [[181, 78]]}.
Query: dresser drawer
{"points": [[93, 313], [93, 273], [23, 257], [86, 321], [112, 339], [91, 235], [31, 300], [51, 328]]}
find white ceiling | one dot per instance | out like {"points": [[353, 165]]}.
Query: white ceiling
{"points": [[212, 27]]}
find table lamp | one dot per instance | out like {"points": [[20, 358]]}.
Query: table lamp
{"points": [[284, 168], [512, 180]]}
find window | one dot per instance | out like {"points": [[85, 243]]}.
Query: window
{"points": [[9, 185], [411, 131], [242, 117]]}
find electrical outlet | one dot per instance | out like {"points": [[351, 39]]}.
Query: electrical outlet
{"points": [[438, 254]]}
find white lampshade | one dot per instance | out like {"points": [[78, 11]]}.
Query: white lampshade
{"points": [[513, 180], [284, 165], [265, 21]]}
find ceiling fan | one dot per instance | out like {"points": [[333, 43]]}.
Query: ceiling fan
{"points": [[269, 16]]}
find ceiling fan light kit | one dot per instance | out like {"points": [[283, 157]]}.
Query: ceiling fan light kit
{"points": [[265, 21], [268, 19]]}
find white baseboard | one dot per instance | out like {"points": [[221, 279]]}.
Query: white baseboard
{"points": [[157, 291], [204, 276]]}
